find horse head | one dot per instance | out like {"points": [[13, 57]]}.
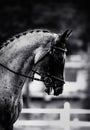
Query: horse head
{"points": [[51, 63], [18, 57]]}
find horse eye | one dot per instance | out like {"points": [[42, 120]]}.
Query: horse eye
{"points": [[56, 52]]}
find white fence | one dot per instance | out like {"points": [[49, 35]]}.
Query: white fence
{"points": [[64, 121]]}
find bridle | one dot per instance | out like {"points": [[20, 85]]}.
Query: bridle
{"points": [[48, 78]]}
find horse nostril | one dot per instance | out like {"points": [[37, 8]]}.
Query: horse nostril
{"points": [[58, 91], [47, 80]]}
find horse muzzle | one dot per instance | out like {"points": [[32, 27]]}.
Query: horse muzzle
{"points": [[52, 86], [56, 91]]}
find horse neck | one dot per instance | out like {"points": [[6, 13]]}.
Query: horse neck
{"points": [[17, 54], [19, 57]]}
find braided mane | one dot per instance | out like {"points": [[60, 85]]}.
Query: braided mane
{"points": [[17, 36]]}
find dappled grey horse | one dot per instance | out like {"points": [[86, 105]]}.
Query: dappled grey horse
{"points": [[18, 57]]}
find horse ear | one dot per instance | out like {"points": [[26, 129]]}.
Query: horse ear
{"points": [[60, 40], [65, 35]]}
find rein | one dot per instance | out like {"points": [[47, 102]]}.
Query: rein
{"points": [[19, 73], [33, 78]]}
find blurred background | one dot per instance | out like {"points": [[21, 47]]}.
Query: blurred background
{"points": [[56, 15]]}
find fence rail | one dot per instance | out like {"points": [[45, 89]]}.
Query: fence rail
{"points": [[64, 118]]}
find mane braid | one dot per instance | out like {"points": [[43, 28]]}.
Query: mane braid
{"points": [[22, 34]]}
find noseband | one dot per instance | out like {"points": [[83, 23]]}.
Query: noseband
{"points": [[48, 78]]}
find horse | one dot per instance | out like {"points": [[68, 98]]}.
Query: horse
{"points": [[18, 58]]}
